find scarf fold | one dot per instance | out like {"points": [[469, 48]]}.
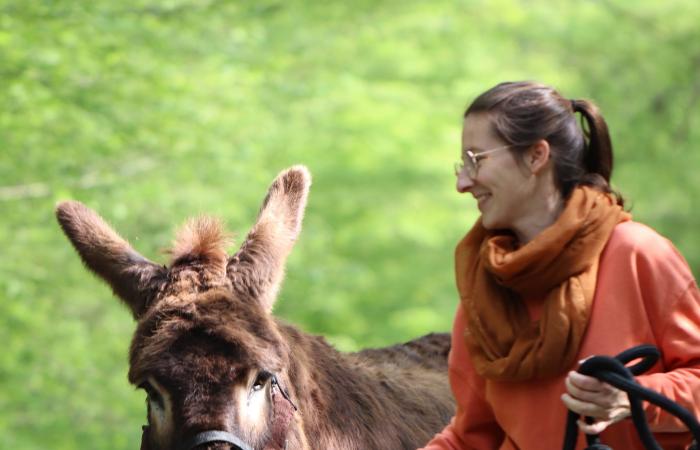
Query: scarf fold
{"points": [[558, 267]]}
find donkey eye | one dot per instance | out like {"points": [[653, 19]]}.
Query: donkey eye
{"points": [[262, 378], [153, 394]]}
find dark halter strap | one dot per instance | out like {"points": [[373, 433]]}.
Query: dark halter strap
{"points": [[206, 437], [614, 372]]}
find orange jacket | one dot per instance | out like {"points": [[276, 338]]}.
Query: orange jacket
{"points": [[645, 294]]}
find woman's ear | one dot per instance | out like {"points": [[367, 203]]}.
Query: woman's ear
{"points": [[537, 156]]}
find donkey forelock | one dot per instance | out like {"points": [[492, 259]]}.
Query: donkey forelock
{"points": [[198, 258], [202, 238]]}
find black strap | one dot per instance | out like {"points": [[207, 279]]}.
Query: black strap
{"points": [[614, 372], [214, 436], [284, 392]]}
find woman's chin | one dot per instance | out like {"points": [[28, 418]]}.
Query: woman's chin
{"points": [[491, 223], [486, 221]]}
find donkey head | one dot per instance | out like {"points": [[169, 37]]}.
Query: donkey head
{"points": [[206, 349]]}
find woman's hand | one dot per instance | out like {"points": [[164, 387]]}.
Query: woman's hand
{"points": [[589, 396]]}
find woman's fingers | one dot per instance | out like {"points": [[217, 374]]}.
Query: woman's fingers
{"points": [[595, 391], [591, 390], [595, 427], [590, 397], [604, 416], [584, 408]]}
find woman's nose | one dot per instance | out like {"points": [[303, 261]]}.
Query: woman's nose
{"points": [[464, 183]]}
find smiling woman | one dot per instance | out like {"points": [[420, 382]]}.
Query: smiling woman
{"points": [[508, 196], [555, 271]]}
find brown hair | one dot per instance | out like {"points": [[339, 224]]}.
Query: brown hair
{"points": [[523, 112]]}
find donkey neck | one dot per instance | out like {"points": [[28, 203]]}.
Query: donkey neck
{"points": [[352, 401]]}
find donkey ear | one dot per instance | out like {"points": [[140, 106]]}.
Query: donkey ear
{"points": [[131, 276], [258, 268]]}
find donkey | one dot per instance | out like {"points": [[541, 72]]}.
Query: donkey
{"points": [[220, 372]]}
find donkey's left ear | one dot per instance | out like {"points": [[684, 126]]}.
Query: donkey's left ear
{"points": [[131, 276], [257, 270]]}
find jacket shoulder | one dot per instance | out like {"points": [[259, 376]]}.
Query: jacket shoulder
{"points": [[636, 237]]}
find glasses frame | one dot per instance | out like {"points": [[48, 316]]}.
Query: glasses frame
{"points": [[470, 160]]}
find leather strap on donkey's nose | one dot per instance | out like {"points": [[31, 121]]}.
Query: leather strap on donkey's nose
{"points": [[210, 436], [614, 372]]}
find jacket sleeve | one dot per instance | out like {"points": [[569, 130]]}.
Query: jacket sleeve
{"points": [[672, 300], [473, 427]]}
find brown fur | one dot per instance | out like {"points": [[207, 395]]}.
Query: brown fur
{"points": [[205, 333], [202, 238]]}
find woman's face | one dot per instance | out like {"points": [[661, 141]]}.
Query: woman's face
{"points": [[503, 186]]}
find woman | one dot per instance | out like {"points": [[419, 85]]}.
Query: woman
{"points": [[555, 271]]}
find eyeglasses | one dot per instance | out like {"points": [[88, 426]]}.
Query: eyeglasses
{"points": [[470, 160]]}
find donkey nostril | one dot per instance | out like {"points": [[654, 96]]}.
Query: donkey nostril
{"points": [[216, 446], [220, 446]]}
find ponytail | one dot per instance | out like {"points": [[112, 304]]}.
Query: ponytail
{"points": [[598, 156], [597, 152]]}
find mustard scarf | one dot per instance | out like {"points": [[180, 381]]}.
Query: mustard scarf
{"points": [[559, 266]]}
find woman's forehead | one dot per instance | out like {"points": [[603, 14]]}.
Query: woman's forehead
{"points": [[477, 132]]}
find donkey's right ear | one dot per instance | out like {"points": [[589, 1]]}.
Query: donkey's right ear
{"points": [[258, 268], [131, 276]]}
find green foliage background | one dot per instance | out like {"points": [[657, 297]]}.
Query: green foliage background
{"points": [[153, 111]]}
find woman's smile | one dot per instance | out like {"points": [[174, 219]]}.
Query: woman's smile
{"points": [[481, 199]]}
